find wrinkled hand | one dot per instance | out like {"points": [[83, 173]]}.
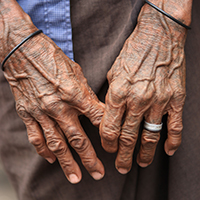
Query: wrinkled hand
{"points": [[147, 81], [50, 93]]}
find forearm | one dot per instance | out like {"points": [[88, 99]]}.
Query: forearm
{"points": [[180, 9], [15, 25], [155, 28]]}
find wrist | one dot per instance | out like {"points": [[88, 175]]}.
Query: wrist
{"points": [[15, 25], [181, 10]]}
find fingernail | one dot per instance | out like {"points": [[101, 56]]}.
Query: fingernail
{"points": [[97, 175], [50, 160], [122, 171], [171, 152], [73, 178]]}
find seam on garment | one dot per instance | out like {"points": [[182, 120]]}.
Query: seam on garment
{"points": [[46, 17], [65, 25], [68, 29]]}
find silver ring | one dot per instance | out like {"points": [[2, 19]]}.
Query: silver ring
{"points": [[152, 127]]}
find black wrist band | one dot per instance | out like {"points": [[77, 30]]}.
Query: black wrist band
{"points": [[20, 44], [167, 15]]}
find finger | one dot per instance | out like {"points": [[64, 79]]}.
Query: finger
{"points": [[35, 134], [127, 141], [78, 96], [68, 121], [82, 145], [161, 98], [110, 126], [80, 76], [149, 139], [174, 121], [91, 108], [175, 126], [36, 138], [57, 144], [139, 100]]}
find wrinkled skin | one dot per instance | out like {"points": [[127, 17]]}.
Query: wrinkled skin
{"points": [[50, 92], [147, 80]]}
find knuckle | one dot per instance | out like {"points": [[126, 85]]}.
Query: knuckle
{"points": [[96, 119], [164, 93], [96, 115], [110, 127], [36, 141], [175, 128], [144, 98], [109, 135], [128, 139], [164, 97], [69, 92], [57, 146], [34, 110], [143, 92], [51, 107], [118, 90], [51, 104], [150, 141], [22, 111], [78, 142]]}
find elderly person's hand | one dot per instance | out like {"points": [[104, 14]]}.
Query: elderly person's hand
{"points": [[50, 92], [146, 81]]}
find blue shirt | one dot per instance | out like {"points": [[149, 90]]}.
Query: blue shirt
{"points": [[53, 17]]}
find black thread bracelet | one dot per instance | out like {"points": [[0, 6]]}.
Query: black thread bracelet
{"points": [[167, 15], [20, 44]]}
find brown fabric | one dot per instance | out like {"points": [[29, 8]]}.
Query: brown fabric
{"points": [[184, 173], [100, 28]]}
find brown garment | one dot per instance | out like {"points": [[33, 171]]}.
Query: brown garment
{"points": [[100, 28]]}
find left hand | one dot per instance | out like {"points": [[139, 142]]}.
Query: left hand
{"points": [[147, 81], [50, 91]]}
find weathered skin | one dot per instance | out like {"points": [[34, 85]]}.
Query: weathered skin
{"points": [[50, 93], [147, 81]]}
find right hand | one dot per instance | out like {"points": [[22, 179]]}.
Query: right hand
{"points": [[146, 81], [51, 92]]}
